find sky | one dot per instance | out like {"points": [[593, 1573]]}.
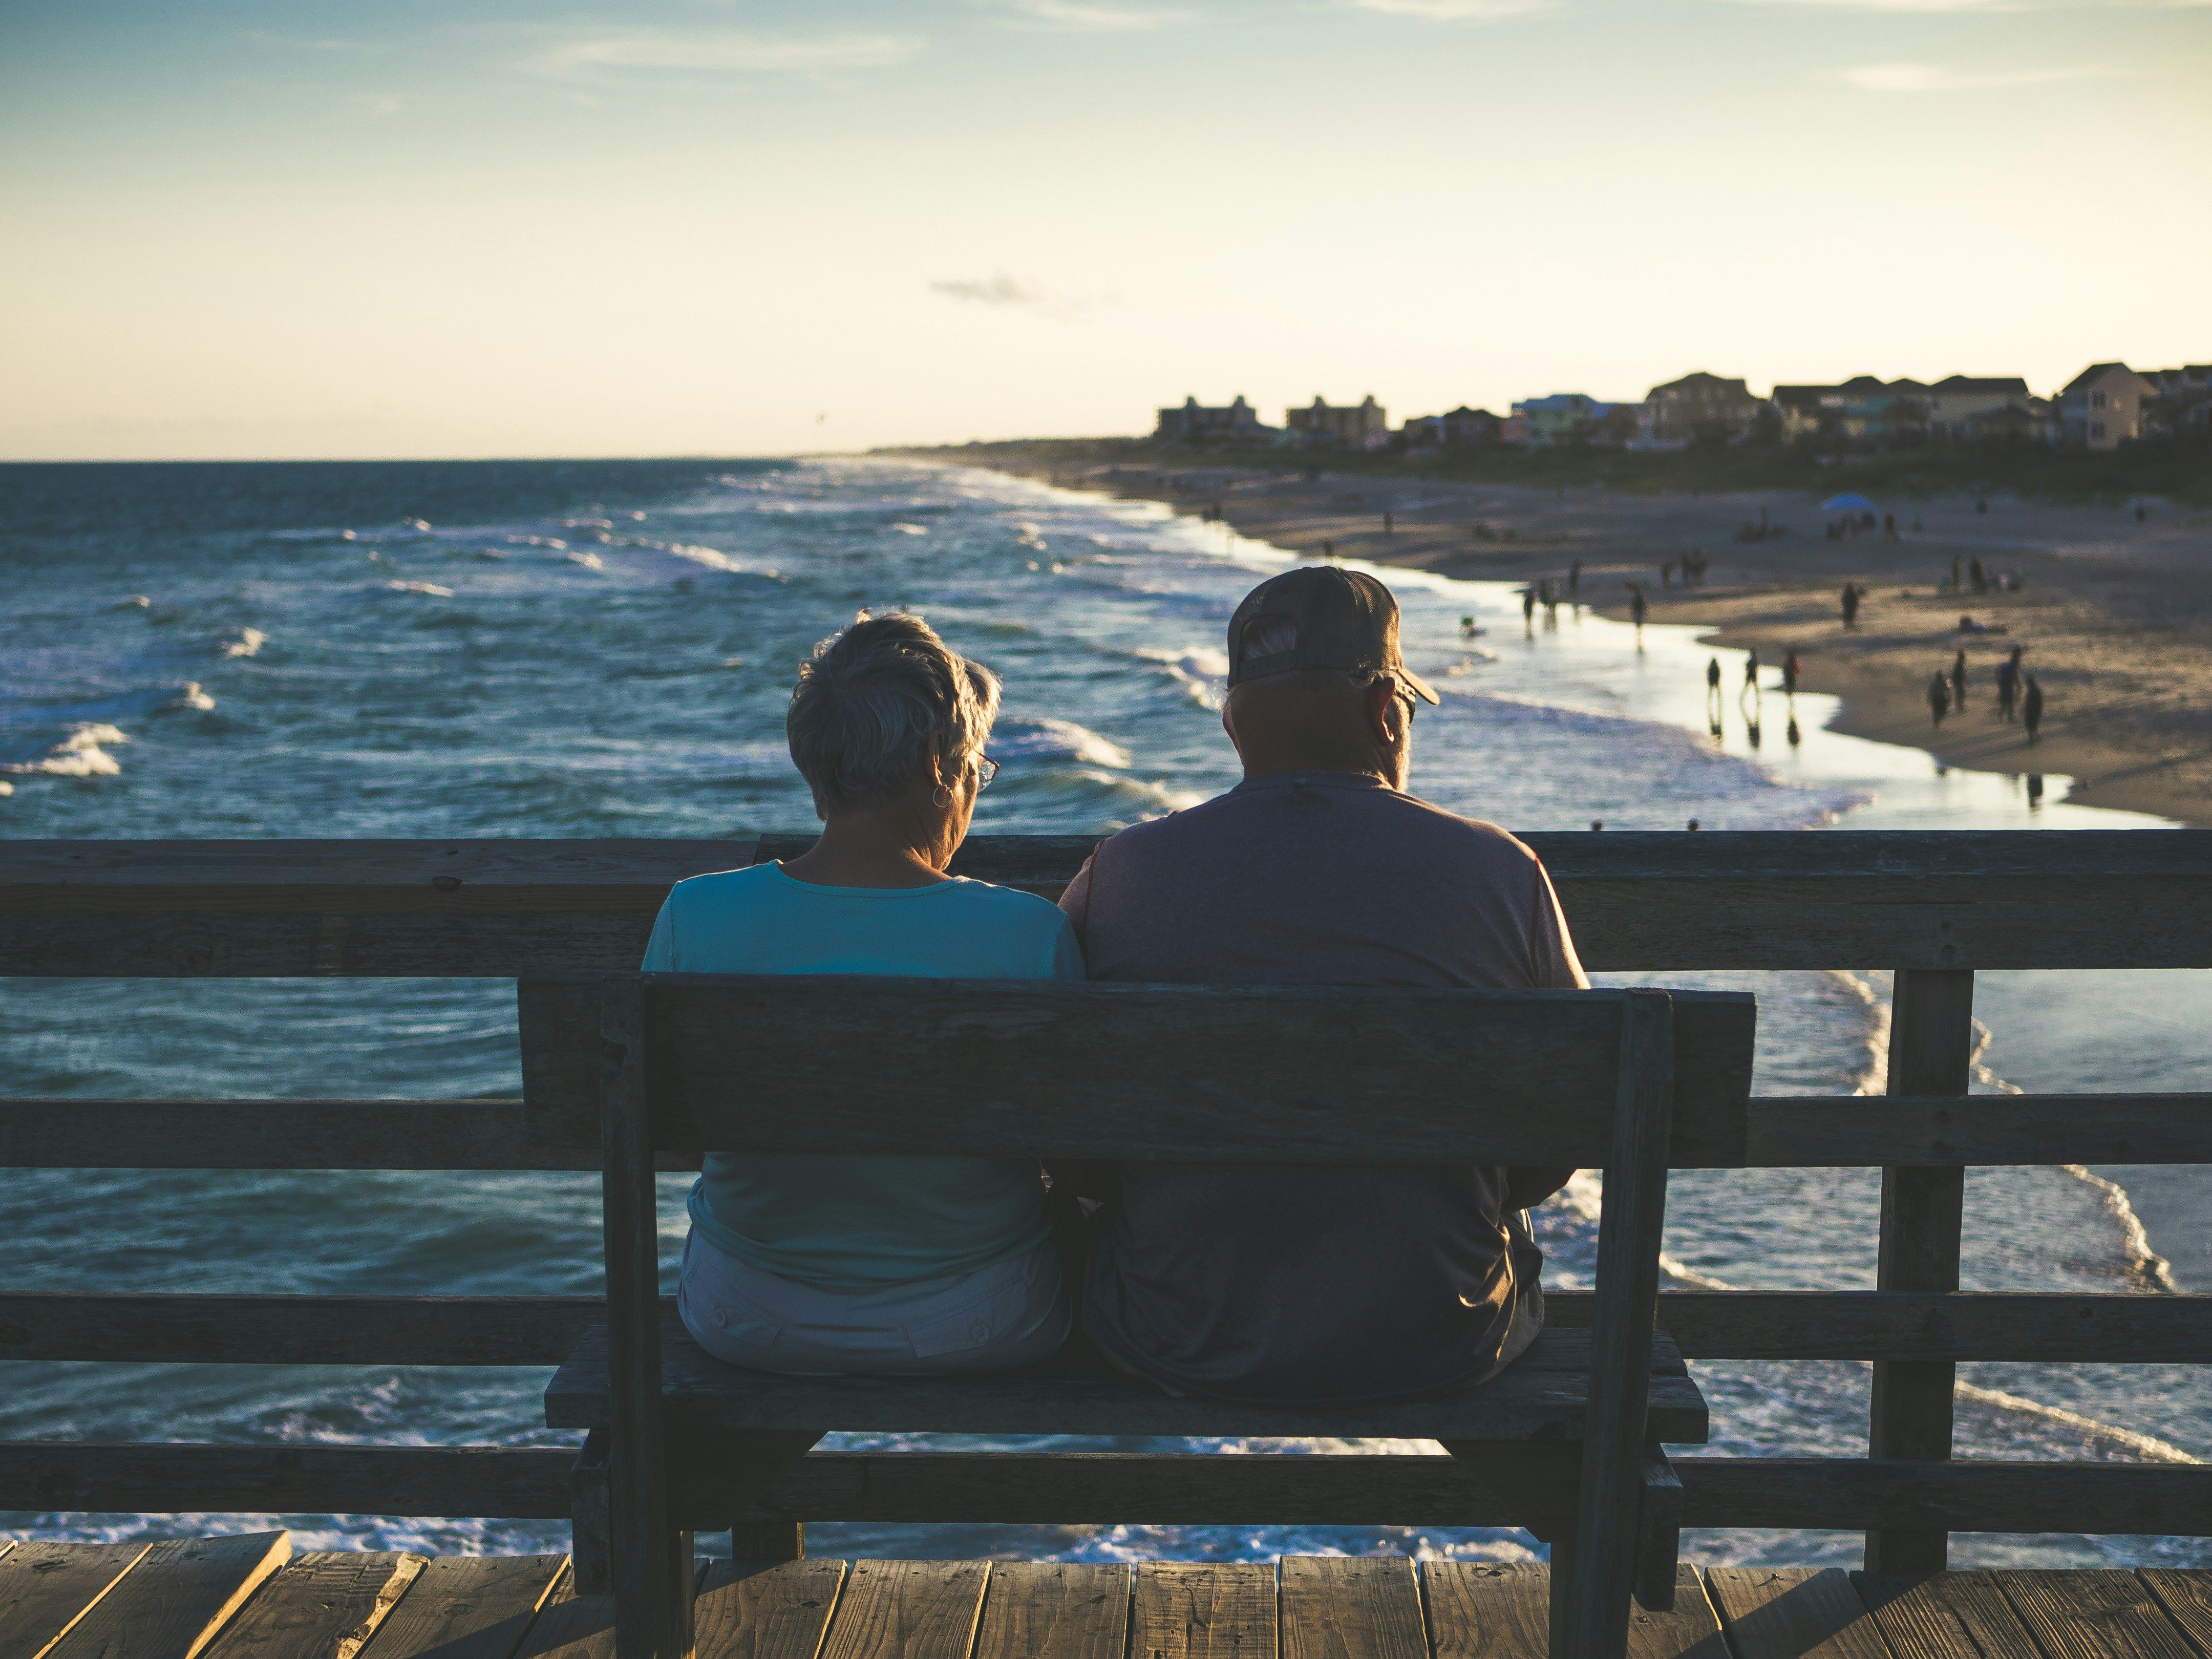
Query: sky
{"points": [[284, 229]]}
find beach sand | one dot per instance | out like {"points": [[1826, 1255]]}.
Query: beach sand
{"points": [[2115, 613]]}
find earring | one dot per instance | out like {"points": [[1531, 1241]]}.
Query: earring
{"points": [[940, 796]]}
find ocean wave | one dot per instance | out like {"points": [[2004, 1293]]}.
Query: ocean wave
{"points": [[1055, 739], [249, 641], [911, 529], [589, 561], [432, 589], [135, 602], [78, 754], [189, 695]]}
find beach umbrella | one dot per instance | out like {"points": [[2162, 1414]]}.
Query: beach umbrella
{"points": [[1847, 504]]}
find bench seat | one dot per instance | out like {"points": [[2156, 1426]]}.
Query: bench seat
{"points": [[1541, 1396]]}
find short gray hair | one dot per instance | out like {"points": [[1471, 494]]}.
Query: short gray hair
{"points": [[869, 701]]}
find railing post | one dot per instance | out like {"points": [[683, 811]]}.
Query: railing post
{"points": [[1931, 1046]]}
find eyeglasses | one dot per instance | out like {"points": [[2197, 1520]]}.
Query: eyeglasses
{"points": [[985, 769]]}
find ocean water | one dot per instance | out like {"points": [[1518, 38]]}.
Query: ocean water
{"points": [[605, 649]]}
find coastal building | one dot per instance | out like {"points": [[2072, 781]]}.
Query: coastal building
{"points": [[1884, 412], [1194, 422], [1364, 425], [2102, 407], [2183, 409], [1697, 405], [1460, 428], [1807, 411], [1966, 406], [1562, 417]]}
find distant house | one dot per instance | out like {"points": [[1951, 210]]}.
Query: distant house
{"points": [[1194, 422], [2183, 409], [1699, 405], [2102, 407], [1562, 417], [1965, 406], [1879, 411], [1807, 411], [1461, 428], [1365, 425]]}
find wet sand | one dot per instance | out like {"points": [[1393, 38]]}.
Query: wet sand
{"points": [[2115, 613]]}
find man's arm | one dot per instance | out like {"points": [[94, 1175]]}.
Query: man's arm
{"points": [[1553, 966]]}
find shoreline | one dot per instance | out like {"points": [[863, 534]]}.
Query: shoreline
{"points": [[2115, 613]]}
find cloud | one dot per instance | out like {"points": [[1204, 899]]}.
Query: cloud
{"points": [[728, 52], [1932, 77], [1087, 18], [1454, 11], [1005, 290]]}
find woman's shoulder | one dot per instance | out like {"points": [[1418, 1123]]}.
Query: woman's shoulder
{"points": [[1009, 906], [722, 887]]}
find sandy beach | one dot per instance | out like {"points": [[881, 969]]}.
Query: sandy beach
{"points": [[2114, 613]]}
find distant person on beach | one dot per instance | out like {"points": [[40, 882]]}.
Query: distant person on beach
{"points": [[1750, 671], [1528, 604], [1293, 1283], [1575, 581], [1638, 606], [1958, 680], [1850, 605], [1938, 695], [903, 1266], [1790, 668], [2007, 685], [2031, 707]]}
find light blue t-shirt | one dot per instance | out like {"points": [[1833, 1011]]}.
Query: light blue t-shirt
{"points": [[862, 1223]]}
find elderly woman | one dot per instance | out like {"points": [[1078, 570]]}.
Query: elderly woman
{"points": [[819, 1265]]}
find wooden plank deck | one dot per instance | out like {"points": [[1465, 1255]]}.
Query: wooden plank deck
{"points": [[252, 1597]]}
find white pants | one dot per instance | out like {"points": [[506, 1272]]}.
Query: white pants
{"points": [[1002, 1318]]}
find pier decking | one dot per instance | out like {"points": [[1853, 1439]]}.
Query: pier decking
{"points": [[253, 1596]]}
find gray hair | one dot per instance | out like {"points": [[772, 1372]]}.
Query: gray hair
{"points": [[869, 701]]}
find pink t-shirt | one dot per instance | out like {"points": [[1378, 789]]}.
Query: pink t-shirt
{"points": [[1283, 1283]]}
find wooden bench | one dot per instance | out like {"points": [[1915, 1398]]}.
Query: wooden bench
{"points": [[1570, 1435]]}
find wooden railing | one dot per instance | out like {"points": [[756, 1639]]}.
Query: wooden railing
{"points": [[1934, 907]]}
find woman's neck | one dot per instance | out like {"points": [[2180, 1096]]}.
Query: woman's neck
{"points": [[871, 848]]}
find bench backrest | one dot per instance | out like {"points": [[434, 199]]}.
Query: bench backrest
{"points": [[1279, 1074]]}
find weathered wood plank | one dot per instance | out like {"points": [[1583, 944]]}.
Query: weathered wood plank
{"points": [[322, 1605], [46, 1588], [907, 1610], [541, 1330], [1351, 1608], [1854, 1132], [2187, 1598], [2094, 1615], [1842, 1131], [1795, 1612], [571, 1627], [1348, 1073], [1945, 1615], [1931, 1046], [1203, 1610], [96, 1477], [498, 910], [1544, 1391], [1595, 1599], [1054, 1610], [468, 1606], [181, 1592], [1488, 1609], [782, 1613]]}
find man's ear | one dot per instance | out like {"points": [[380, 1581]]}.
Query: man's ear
{"points": [[1382, 710]]}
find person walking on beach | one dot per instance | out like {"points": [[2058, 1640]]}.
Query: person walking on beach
{"points": [[1713, 694], [1958, 680], [1939, 697], [2009, 685], [1638, 606], [1528, 607], [1574, 581], [1850, 605], [1790, 671], [2031, 707], [1275, 1282]]}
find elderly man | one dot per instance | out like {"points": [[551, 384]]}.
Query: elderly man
{"points": [[1287, 1283]]}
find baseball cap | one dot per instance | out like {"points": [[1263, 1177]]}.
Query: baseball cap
{"points": [[1339, 618]]}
